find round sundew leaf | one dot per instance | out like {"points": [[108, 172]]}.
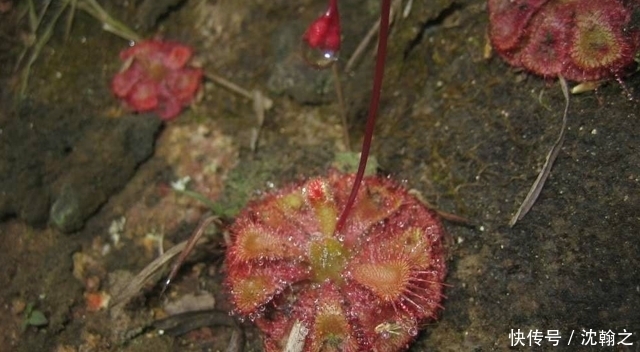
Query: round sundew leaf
{"points": [[414, 246], [143, 96], [177, 55], [259, 243], [123, 81], [253, 291], [281, 216], [141, 49], [330, 329], [508, 20], [546, 52], [389, 329], [318, 194], [387, 280], [595, 43], [183, 84], [254, 284], [374, 203], [169, 107]]}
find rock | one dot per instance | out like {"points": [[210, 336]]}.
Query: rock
{"points": [[34, 141], [149, 12], [59, 163], [104, 160], [292, 76]]}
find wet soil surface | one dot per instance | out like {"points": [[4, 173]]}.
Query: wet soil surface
{"points": [[465, 130]]}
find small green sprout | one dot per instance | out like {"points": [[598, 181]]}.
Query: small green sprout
{"points": [[33, 317]]}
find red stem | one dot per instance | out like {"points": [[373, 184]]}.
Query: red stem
{"points": [[373, 111], [333, 7]]}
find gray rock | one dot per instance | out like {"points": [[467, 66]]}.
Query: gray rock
{"points": [[61, 166], [104, 161], [150, 11], [294, 77]]}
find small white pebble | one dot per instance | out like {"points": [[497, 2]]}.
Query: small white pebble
{"points": [[181, 184]]}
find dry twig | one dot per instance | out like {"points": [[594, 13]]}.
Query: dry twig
{"points": [[182, 323], [295, 342], [536, 188], [135, 285], [364, 43], [183, 249]]}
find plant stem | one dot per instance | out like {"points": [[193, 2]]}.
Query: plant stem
{"points": [[373, 110], [37, 48], [109, 24], [341, 107]]}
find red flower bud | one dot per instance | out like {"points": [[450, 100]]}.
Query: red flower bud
{"points": [[324, 33]]}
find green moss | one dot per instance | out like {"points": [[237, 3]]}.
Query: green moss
{"points": [[347, 162]]}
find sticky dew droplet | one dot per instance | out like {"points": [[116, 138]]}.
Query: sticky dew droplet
{"points": [[318, 58]]}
